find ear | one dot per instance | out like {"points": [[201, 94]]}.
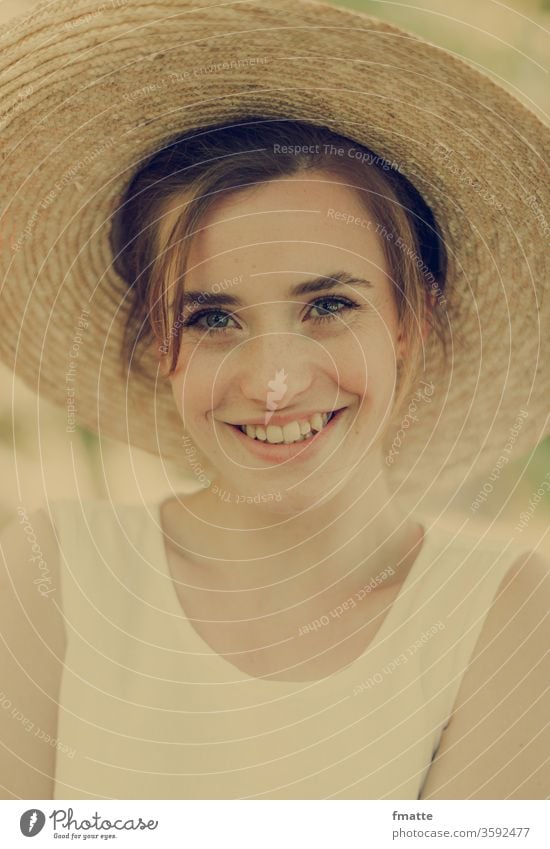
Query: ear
{"points": [[160, 354]]}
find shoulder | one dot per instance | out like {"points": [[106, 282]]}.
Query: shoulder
{"points": [[498, 736], [31, 538], [30, 573], [32, 654]]}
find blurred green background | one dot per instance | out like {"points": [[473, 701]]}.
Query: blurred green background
{"points": [[38, 462]]}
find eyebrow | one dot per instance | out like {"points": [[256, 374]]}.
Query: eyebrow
{"points": [[316, 284]]}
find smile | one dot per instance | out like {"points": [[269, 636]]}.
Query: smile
{"points": [[301, 448], [296, 431]]}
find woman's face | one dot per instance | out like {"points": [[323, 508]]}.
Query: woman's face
{"points": [[293, 316]]}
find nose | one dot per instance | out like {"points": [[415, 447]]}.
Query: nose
{"points": [[275, 368]]}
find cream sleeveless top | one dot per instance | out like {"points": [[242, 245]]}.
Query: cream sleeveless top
{"points": [[148, 710]]}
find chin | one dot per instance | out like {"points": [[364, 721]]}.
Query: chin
{"points": [[288, 499]]}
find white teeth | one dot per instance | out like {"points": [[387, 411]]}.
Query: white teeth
{"points": [[290, 433], [274, 434], [316, 421], [260, 433]]}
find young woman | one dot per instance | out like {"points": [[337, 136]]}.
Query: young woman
{"points": [[296, 312]]}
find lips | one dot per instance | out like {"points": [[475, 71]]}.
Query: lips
{"points": [[280, 451], [293, 431]]}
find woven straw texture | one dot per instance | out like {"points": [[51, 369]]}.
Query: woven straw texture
{"points": [[88, 90]]}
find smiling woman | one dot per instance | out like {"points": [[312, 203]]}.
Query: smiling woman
{"points": [[256, 201]]}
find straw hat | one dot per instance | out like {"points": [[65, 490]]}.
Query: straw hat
{"points": [[88, 90]]}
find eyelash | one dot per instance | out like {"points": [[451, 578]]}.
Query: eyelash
{"points": [[194, 319]]}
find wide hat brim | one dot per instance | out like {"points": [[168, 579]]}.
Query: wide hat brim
{"points": [[88, 92]]}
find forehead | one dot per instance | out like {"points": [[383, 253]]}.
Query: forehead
{"points": [[301, 224]]}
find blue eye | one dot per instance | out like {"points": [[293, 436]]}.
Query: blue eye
{"points": [[215, 320], [330, 307]]}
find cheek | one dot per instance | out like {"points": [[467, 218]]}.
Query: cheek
{"points": [[176, 384], [191, 398], [365, 362], [196, 384]]}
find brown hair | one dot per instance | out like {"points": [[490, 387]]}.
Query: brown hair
{"points": [[151, 242]]}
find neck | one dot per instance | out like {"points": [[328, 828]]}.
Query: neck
{"points": [[348, 540]]}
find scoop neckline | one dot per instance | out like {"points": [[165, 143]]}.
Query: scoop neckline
{"points": [[190, 635]]}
